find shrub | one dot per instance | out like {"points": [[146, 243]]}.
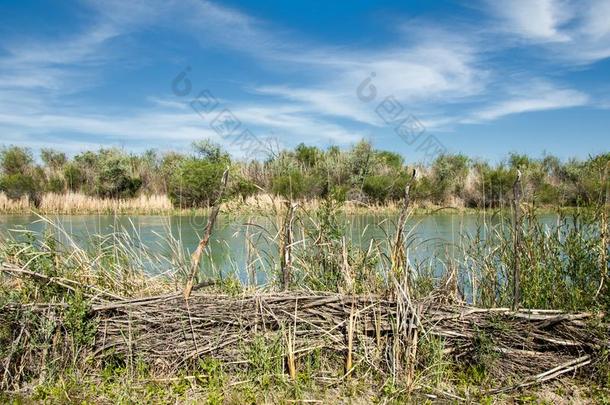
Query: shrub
{"points": [[378, 188], [290, 185], [114, 180], [56, 185], [307, 155], [195, 183], [243, 188], [53, 159], [15, 160], [18, 185], [449, 177], [74, 177]]}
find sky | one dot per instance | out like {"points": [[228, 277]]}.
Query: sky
{"points": [[420, 78]]}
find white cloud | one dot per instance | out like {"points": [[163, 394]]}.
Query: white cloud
{"points": [[539, 20], [534, 97], [573, 31]]}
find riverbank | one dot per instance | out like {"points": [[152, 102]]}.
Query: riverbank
{"points": [[262, 204]]}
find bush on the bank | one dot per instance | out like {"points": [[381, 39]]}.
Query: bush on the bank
{"points": [[74, 177], [53, 159], [361, 172], [18, 176], [15, 160], [19, 185], [195, 183], [243, 188], [289, 185], [56, 185], [378, 188], [448, 178], [114, 179]]}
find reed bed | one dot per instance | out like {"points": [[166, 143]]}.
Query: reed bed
{"points": [[73, 203], [11, 206]]}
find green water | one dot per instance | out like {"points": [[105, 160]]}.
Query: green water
{"points": [[433, 235]]}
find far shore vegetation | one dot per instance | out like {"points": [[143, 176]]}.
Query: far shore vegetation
{"points": [[365, 178]]}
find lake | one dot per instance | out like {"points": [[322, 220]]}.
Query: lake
{"points": [[228, 252]]}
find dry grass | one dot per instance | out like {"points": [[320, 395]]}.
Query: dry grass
{"points": [[10, 206], [77, 203], [266, 203]]}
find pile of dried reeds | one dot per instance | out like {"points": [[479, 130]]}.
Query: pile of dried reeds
{"points": [[170, 333]]}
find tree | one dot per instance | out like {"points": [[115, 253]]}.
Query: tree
{"points": [[195, 183], [308, 156], [18, 185], [378, 188], [114, 179], [210, 151], [195, 180], [289, 185], [74, 176], [449, 174], [18, 175], [16, 160], [53, 159], [390, 160]]}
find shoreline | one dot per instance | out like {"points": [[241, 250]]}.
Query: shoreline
{"points": [[264, 204]]}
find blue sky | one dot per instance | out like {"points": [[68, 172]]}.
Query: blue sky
{"points": [[480, 77]]}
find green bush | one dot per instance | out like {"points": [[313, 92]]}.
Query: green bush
{"points": [[15, 160], [195, 183], [307, 155], [114, 180], [290, 185], [18, 185], [56, 185], [378, 188], [243, 188], [449, 174], [74, 177]]}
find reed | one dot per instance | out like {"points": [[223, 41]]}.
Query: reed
{"points": [[160, 204]]}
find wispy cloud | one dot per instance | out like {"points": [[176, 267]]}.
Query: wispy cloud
{"points": [[537, 20], [534, 97], [575, 31]]}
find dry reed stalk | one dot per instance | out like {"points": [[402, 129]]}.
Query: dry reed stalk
{"points": [[517, 242], [77, 203], [398, 256], [169, 332], [350, 342], [346, 270], [196, 257], [286, 242], [603, 246]]}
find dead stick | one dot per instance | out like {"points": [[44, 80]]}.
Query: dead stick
{"points": [[517, 246], [196, 258]]}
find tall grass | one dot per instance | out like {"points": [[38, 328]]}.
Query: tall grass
{"points": [[155, 204], [78, 203], [11, 205], [564, 265]]}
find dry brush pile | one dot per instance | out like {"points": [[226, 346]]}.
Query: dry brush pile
{"points": [[367, 333]]}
